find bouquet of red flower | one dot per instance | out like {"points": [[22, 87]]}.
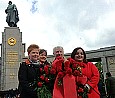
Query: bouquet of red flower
{"points": [[47, 75]]}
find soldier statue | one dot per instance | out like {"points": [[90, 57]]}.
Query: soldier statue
{"points": [[12, 15]]}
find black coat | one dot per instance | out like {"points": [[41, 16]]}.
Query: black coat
{"points": [[110, 84], [27, 75]]}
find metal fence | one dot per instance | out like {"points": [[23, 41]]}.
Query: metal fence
{"points": [[9, 94]]}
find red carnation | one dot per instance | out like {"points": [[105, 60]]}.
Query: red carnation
{"points": [[69, 71], [39, 84], [60, 75], [53, 71], [76, 73], [74, 65], [80, 90], [47, 80], [46, 69], [59, 68], [54, 65], [66, 64], [65, 68], [72, 61], [60, 59], [81, 64], [41, 70], [42, 77], [57, 65]]}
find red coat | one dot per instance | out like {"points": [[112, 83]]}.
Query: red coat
{"points": [[90, 71], [92, 74]]}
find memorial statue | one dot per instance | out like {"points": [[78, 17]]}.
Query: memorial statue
{"points": [[12, 15]]}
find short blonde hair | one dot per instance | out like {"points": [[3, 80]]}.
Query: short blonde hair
{"points": [[31, 47]]}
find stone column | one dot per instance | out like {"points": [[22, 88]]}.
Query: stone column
{"points": [[104, 65], [12, 54]]}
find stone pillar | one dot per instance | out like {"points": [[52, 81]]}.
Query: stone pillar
{"points": [[12, 54], [104, 66]]}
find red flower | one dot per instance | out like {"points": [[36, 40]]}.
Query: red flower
{"points": [[39, 84], [57, 64], [41, 70], [72, 61], [52, 71], [60, 75], [81, 64], [69, 71], [60, 59], [74, 65], [80, 90], [54, 64], [47, 80], [46, 69], [76, 73], [59, 68], [66, 64], [42, 77]]}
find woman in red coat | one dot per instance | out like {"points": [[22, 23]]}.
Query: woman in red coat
{"points": [[90, 71]]}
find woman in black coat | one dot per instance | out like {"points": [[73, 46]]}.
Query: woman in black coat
{"points": [[28, 72]]}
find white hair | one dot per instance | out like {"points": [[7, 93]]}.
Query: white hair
{"points": [[57, 47]]}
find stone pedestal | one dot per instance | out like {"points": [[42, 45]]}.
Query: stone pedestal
{"points": [[12, 53], [111, 65]]}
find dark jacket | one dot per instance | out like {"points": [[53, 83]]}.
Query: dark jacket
{"points": [[110, 84], [27, 75]]}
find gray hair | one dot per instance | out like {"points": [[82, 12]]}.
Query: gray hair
{"points": [[57, 47]]}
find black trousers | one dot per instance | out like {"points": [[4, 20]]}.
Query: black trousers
{"points": [[111, 96]]}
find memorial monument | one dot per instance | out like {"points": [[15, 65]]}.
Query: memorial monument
{"points": [[12, 50], [12, 15]]}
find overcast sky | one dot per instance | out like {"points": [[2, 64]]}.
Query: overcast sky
{"points": [[89, 24]]}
